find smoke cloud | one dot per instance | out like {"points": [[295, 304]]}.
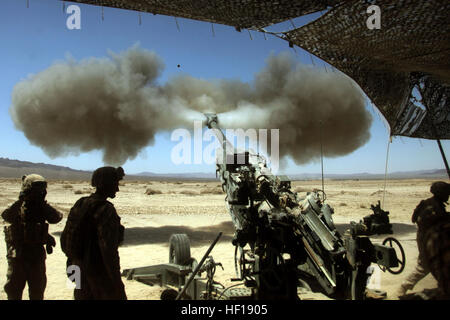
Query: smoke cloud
{"points": [[116, 105]]}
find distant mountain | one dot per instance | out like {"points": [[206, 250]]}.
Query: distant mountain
{"points": [[5, 162], [183, 176], [16, 169], [419, 174]]}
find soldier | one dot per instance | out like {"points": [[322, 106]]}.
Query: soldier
{"points": [[437, 255], [428, 215], [25, 238], [91, 239]]}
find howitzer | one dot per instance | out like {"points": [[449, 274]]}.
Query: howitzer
{"points": [[283, 240], [376, 223]]}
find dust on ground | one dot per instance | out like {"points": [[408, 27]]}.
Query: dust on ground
{"points": [[197, 209]]}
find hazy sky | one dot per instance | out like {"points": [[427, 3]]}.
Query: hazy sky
{"points": [[36, 37]]}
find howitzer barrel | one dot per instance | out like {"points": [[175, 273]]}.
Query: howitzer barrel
{"points": [[212, 122], [272, 220]]}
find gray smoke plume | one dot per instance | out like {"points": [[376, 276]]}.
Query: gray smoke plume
{"points": [[116, 105]]}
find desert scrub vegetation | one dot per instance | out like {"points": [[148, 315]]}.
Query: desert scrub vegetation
{"points": [[83, 191], [188, 192], [151, 191], [380, 192], [212, 190]]}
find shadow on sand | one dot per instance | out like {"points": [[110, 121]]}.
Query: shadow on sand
{"points": [[202, 236], [160, 235], [205, 235], [198, 236]]}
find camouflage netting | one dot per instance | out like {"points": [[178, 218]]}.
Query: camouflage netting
{"points": [[409, 54], [407, 58], [238, 13]]}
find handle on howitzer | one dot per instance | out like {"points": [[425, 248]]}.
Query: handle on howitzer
{"points": [[196, 270]]}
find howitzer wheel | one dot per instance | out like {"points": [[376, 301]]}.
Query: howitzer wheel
{"points": [[169, 294], [180, 249], [402, 261]]}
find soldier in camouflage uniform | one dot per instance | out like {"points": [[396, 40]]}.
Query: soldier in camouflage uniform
{"points": [[91, 239], [431, 218], [437, 255], [25, 239]]}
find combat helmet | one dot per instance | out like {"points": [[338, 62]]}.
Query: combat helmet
{"points": [[31, 181], [104, 177], [440, 190]]}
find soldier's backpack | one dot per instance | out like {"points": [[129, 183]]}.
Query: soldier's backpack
{"points": [[77, 234]]}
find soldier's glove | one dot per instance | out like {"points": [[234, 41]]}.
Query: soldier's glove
{"points": [[50, 244]]}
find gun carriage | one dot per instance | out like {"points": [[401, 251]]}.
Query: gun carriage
{"points": [[282, 241]]}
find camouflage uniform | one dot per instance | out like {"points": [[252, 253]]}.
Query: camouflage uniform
{"points": [[25, 238], [437, 255], [428, 216], [102, 234]]}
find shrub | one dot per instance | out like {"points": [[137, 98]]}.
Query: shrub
{"points": [[188, 192], [84, 191], [151, 191], [213, 190]]}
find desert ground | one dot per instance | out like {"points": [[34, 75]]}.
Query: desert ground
{"points": [[153, 210]]}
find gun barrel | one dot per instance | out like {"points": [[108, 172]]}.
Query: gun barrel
{"points": [[212, 122]]}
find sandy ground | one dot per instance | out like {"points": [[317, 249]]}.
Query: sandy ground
{"points": [[194, 208]]}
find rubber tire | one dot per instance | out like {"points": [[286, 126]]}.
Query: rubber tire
{"points": [[180, 249], [169, 294]]}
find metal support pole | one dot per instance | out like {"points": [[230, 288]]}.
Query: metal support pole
{"points": [[194, 273], [385, 171], [443, 157], [321, 160]]}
